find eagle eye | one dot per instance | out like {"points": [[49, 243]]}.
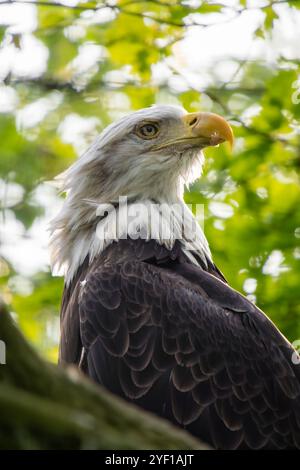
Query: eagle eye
{"points": [[147, 130]]}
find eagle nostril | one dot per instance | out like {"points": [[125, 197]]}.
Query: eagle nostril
{"points": [[193, 121]]}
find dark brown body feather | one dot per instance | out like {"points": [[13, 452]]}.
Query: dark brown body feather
{"points": [[175, 339]]}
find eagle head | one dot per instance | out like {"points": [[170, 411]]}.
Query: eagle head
{"points": [[149, 154], [152, 153]]}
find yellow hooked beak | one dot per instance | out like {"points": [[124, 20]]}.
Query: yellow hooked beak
{"points": [[209, 128]]}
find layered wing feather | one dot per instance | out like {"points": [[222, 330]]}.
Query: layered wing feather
{"points": [[178, 341]]}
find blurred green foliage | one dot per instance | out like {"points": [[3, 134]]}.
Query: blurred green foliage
{"points": [[100, 63]]}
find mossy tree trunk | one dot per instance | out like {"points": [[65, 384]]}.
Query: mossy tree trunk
{"points": [[43, 406]]}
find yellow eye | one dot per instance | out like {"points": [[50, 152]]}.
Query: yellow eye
{"points": [[148, 130]]}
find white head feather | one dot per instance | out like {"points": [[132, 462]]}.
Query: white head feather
{"points": [[119, 163]]}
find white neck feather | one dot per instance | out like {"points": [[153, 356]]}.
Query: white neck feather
{"points": [[162, 222]]}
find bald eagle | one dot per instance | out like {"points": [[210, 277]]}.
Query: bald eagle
{"points": [[147, 314]]}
